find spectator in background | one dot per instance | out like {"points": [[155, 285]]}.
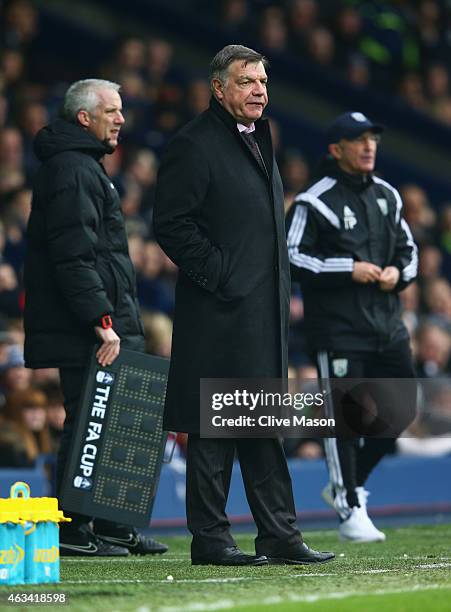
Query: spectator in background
{"points": [[348, 29], [303, 18], [130, 57], [158, 333], [154, 291], [24, 433], [140, 113], [411, 90], [430, 262], [321, 47], [295, 175], [418, 213], [55, 412], [437, 84], [197, 98], [16, 215], [12, 176], [235, 17], [14, 376], [410, 301], [12, 69], [437, 295], [21, 22], [358, 72], [10, 292], [158, 66], [33, 117], [273, 31], [44, 377], [139, 177], [429, 28], [433, 350]]}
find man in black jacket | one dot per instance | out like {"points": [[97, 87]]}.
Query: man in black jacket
{"points": [[219, 216], [353, 252], [79, 279]]}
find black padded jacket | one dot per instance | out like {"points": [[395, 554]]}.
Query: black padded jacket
{"points": [[77, 266]]}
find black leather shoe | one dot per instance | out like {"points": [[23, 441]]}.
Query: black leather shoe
{"points": [[230, 556], [137, 543], [300, 555], [94, 548], [81, 542]]}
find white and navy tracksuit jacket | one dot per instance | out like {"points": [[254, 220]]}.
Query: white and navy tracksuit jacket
{"points": [[339, 220], [353, 329]]}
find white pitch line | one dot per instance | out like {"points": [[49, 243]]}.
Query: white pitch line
{"points": [[292, 598], [192, 580], [147, 558], [261, 577]]}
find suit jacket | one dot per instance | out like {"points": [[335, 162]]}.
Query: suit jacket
{"points": [[220, 218]]}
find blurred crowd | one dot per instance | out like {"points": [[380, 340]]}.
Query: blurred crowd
{"points": [[402, 47], [408, 41]]}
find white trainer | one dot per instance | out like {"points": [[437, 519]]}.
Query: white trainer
{"points": [[359, 527]]}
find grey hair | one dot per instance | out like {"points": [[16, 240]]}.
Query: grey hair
{"points": [[219, 66], [83, 95]]}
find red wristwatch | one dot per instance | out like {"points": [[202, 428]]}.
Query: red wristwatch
{"points": [[106, 322]]}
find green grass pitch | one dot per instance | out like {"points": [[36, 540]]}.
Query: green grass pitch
{"points": [[410, 572]]}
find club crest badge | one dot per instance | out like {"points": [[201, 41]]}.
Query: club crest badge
{"points": [[382, 203], [340, 367]]}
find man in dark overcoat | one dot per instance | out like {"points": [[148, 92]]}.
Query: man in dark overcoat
{"points": [[219, 216]]}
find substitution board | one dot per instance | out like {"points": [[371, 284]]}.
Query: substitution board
{"points": [[118, 446]]}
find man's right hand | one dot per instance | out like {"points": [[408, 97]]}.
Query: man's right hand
{"points": [[365, 272], [110, 346]]}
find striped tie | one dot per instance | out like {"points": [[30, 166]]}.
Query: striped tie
{"points": [[249, 139]]}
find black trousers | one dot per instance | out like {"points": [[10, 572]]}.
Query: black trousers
{"points": [[268, 488], [350, 460], [71, 385]]}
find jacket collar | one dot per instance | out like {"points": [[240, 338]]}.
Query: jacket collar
{"points": [[229, 120], [262, 135], [356, 182]]}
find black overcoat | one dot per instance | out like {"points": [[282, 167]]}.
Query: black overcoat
{"points": [[219, 216]]}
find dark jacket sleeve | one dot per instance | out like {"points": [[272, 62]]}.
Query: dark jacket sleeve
{"points": [[72, 225], [406, 255], [183, 182], [308, 264]]}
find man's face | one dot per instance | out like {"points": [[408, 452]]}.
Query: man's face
{"points": [[107, 119], [244, 94], [356, 156]]}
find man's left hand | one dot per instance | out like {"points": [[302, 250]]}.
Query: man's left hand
{"points": [[389, 278]]}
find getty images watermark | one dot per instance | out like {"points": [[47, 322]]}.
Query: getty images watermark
{"points": [[276, 401], [259, 408]]}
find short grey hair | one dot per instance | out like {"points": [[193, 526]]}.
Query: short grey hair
{"points": [[83, 95], [219, 66]]}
